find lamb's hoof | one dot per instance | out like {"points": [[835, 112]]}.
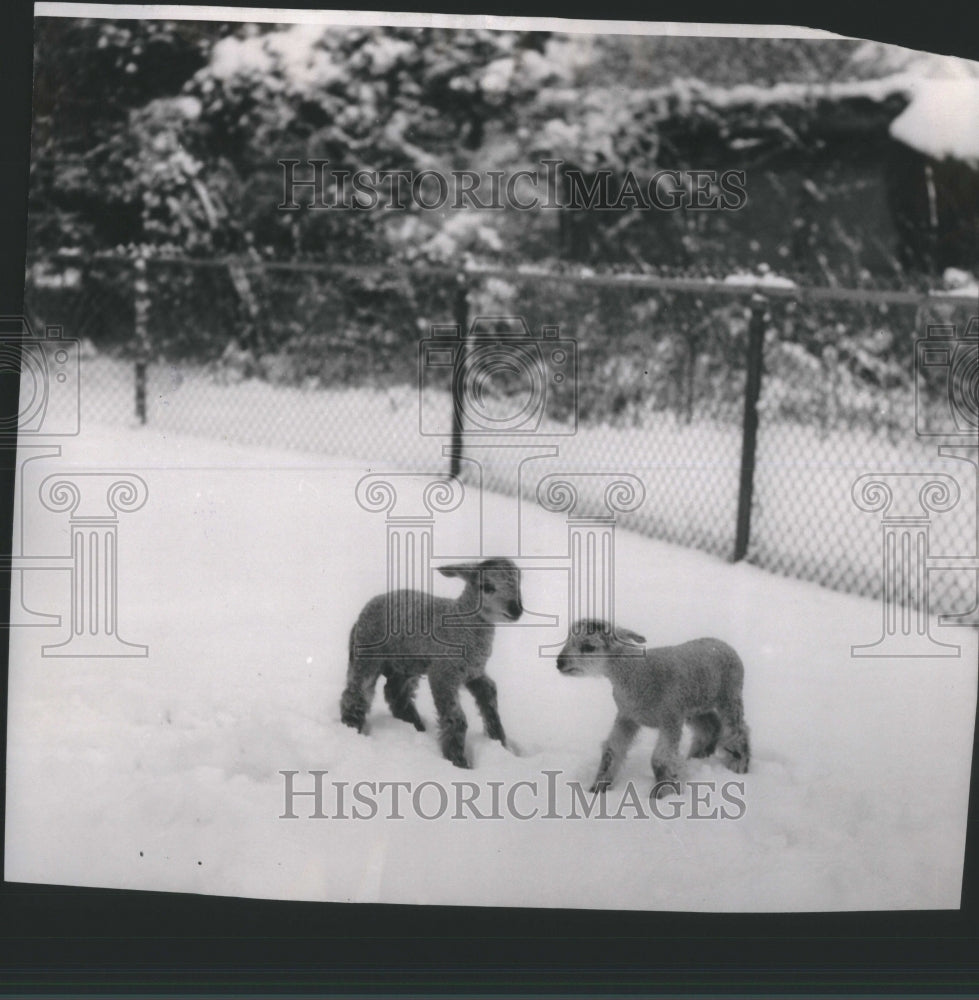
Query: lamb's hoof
{"points": [[600, 788], [735, 760], [667, 786], [354, 723], [697, 752], [419, 725]]}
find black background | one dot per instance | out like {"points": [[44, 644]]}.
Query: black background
{"points": [[58, 939]]}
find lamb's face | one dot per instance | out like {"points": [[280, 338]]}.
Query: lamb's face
{"points": [[497, 582], [499, 586], [585, 651], [590, 645]]}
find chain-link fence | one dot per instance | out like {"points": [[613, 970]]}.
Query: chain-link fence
{"points": [[749, 418]]}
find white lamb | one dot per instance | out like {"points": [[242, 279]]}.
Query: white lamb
{"points": [[697, 682]]}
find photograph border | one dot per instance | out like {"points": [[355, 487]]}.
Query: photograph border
{"points": [[64, 939]]}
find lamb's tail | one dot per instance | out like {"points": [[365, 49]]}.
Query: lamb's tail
{"points": [[356, 699], [351, 665], [383, 666]]}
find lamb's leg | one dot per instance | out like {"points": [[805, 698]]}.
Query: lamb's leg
{"points": [[735, 749], [614, 750], [665, 757], [399, 693], [483, 689], [357, 696], [706, 728], [452, 720]]}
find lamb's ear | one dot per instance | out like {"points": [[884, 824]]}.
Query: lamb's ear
{"points": [[634, 637], [465, 570]]}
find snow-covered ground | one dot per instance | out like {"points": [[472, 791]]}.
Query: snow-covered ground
{"points": [[243, 573]]}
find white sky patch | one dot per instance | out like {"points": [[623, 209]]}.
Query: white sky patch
{"points": [[293, 50], [942, 119], [232, 56]]}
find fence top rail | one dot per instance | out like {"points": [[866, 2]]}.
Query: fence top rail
{"points": [[740, 286], [733, 286]]}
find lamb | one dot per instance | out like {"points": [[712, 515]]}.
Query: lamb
{"points": [[407, 633], [697, 682]]}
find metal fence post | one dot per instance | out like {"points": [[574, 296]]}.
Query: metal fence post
{"points": [[461, 318], [142, 308], [752, 389]]}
